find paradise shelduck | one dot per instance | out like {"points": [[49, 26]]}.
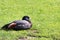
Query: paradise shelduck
{"points": [[23, 24]]}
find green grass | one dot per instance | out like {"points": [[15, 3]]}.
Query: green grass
{"points": [[45, 16]]}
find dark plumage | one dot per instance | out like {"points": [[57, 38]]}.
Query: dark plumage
{"points": [[23, 24]]}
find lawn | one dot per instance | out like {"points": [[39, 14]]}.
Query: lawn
{"points": [[44, 14]]}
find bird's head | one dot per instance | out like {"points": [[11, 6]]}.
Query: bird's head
{"points": [[26, 18]]}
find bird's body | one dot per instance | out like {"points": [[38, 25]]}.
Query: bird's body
{"points": [[23, 24]]}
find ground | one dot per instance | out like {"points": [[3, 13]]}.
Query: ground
{"points": [[44, 14]]}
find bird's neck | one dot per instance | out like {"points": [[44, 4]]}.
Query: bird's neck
{"points": [[29, 21]]}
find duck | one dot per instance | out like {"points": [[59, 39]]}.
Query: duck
{"points": [[23, 24]]}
